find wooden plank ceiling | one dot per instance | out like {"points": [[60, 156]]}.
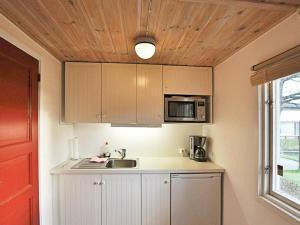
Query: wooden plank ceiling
{"points": [[188, 32]]}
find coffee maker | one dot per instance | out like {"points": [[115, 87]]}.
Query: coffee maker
{"points": [[198, 148]]}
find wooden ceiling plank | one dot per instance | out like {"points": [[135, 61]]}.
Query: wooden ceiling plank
{"points": [[94, 41], [261, 4], [244, 28], [241, 19], [176, 26], [253, 35], [175, 23], [190, 32], [66, 39], [130, 20], [28, 23], [214, 22], [63, 23], [199, 20], [116, 29], [223, 39], [79, 29], [40, 11], [109, 49], [144, 4], [157, 26]]}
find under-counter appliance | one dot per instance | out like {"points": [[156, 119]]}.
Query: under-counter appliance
{"points": [[185, 109], [197, 149], [196, 199]]}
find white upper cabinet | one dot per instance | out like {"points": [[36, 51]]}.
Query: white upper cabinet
{"points": [[128, 93], [118, 93], [121, 199], [149, 94], [187, 80], [155, 199], [82, 92]]}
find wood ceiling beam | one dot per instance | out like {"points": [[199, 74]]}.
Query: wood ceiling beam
{"points": [[262, 4]]}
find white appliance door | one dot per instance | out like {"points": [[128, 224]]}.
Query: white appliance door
{"points": [[196, 199]]}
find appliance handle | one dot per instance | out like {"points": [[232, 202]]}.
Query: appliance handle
{"points": [[196, 108], [203, 179], [195, 176]]}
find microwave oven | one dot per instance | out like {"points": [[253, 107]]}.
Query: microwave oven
{"points": [[185, 109]]}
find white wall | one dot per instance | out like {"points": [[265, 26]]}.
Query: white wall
{"points": [[235, 129], [53, 136], [138, 141]]}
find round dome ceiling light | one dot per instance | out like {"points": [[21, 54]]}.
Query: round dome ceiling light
{"points": [[145, 47]]}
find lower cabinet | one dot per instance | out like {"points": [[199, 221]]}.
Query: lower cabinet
{"points": [[80, 199], [113, 199], [155, 199], [139, 199], [121, 199]]}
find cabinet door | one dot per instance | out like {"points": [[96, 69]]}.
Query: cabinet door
{"points": [[80, 199], [118, 93], [82, 92], [121, 203], [149, 94], [156, 199], [187, 80]]}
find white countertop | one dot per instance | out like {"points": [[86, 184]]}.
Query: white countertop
{"points": [[147, 165]]}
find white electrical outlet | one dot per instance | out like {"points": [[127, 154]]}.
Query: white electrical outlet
{"points": [[183, 152]]}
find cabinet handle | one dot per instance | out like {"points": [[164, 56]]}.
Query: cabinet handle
{"points": [[96, 182], [102, 182], [166, 182]]}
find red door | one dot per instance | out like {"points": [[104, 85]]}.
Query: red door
{"points": [[18, 137]]}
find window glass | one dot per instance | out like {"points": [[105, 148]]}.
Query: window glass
{"points": [[286, 138]]}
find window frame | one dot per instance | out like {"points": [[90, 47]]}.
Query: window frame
{"points": [[266, 156]]}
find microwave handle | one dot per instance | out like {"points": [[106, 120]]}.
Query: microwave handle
{"points": [[196, 108]]}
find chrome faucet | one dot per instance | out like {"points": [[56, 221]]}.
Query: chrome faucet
{"points": [[122, 152]]}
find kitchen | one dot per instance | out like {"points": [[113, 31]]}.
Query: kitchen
{"points": [[212, 54]]}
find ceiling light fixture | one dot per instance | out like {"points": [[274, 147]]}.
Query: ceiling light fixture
{"points": [[145, 47]]}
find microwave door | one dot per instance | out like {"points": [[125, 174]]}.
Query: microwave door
{"points": [[180, 110]]}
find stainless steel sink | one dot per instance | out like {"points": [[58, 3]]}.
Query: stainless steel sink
{"points": [[121, 163], [110, 164]]}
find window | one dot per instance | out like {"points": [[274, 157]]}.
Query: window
{"points": [[281, 139], [285, 164], [280, 133]]}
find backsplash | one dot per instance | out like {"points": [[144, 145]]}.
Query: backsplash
{"points": [[139, 141]]}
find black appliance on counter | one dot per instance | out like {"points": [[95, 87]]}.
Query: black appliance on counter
{"points": [[198, 150]]}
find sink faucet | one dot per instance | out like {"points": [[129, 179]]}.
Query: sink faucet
{"points": [[122, 152]]}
